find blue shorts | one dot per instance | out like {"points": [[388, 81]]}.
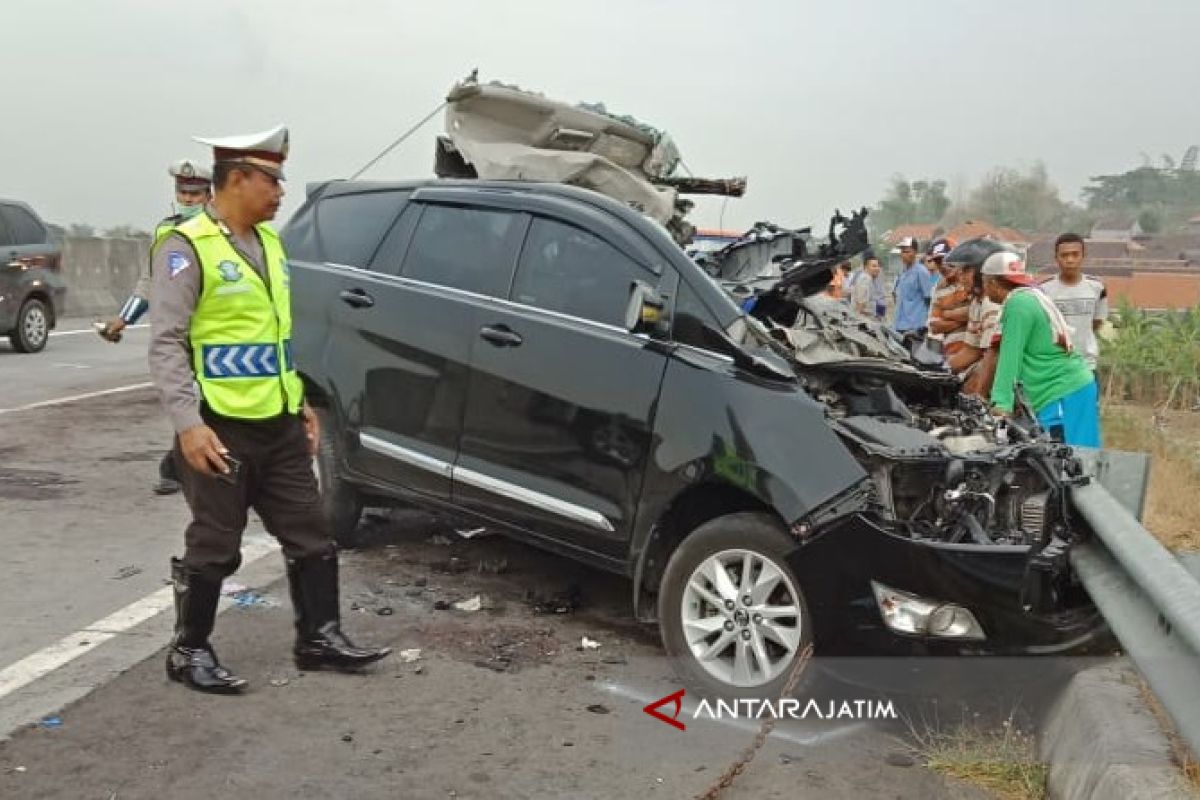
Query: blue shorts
{"points": [[1074, 419]]}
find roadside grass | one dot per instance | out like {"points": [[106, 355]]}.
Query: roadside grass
{"points": [[1180, 751], [1172, 438], [1002, 760]]}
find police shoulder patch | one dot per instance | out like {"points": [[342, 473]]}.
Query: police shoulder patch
{"points": [[177, 262]]}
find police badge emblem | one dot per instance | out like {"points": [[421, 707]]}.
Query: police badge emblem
{"points": [[229, 271]]}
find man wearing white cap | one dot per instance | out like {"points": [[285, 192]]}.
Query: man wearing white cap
{"points": [[193, 188], [913, 289], [220, 356], [1036, 350]]}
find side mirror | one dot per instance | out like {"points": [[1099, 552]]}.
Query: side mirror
{"points": [[645, 309]]}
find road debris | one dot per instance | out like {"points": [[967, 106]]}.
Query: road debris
{"points": [[249, 599], [588, 644], [562, 603], [230, 588], [127, 572], [598, 708], [411, 655], [277, 682], [385, 611], [451, 566], [473, 533], [50, 722], [439, 540], [898, 759], [473, 604], [441, 605]]}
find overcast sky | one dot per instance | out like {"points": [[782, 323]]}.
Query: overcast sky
{"points": [[818, 103]]}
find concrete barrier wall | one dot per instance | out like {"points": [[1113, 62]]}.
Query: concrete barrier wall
{"points": [[100, 273]]}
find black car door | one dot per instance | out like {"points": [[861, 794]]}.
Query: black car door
{"points": [[408, 324], [561, 402]]}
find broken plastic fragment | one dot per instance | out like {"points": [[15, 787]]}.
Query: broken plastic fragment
{"points": [[472, 533], [588, 644], [473, 604], [409, 656]]}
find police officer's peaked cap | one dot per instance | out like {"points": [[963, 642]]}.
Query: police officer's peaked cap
{"points": [[190, 176], [266, 150]]}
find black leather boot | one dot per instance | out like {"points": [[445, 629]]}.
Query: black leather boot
{"points": [[191, 659], [320, 642]]}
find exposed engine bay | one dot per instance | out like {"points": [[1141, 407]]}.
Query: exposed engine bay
{"points": [[943, 468]]}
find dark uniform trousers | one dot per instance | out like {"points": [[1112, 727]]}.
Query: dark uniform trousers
{"points": [[276, 479]]}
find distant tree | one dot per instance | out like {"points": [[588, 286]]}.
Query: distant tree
{"points": [[1171, 194], [918, 202], [1150, 221], [1023, 200], [79, 230]]}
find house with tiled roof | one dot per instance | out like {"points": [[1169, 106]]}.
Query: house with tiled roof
{"points": [[922, 233]]}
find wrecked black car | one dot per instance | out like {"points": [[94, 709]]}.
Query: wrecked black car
{"points": [[546, 360]]}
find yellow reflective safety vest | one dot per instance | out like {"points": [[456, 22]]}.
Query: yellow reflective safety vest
{"points": [[241, 328]]}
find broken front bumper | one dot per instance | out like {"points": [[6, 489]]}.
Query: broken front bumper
{"points": [[1024, 603]]}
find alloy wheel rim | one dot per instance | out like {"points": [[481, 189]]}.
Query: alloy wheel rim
{"points": [[742, 618], [35, 326]]}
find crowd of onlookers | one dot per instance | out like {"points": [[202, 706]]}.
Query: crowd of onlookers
{"points": [[1007, 333]]}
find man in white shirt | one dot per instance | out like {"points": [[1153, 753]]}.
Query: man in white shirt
{"points": [[1082, 299]]}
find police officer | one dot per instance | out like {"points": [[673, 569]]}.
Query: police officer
{"points": [[193, 188], [220, 357]]}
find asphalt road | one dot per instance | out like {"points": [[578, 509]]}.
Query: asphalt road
{"points": [[75, 361], [504, 702]]}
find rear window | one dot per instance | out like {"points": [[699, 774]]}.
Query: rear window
{"points": [[23, 227], [472, 249], [349, 226]]}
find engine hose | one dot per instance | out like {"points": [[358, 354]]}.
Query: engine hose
{"points": [[978, 534]]}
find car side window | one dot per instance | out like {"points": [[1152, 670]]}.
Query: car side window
{"points": [[23, 228], [350, 226], [569, 270], [464, 248], [6, 239]]}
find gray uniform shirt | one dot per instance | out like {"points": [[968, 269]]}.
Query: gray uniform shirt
{"points": [[175, 290]]}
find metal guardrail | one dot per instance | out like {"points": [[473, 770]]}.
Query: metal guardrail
{"points": [[1150, 597]]}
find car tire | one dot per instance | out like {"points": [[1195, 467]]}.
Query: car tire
{"points": [[693, 626], [341, 503], [33, 327]]}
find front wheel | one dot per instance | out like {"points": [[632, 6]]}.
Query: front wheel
{"points": [[33, 327], [731, 612], [341, 503]]}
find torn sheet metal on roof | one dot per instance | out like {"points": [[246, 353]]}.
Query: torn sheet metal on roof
{"points": [[500, 132], [508, 134]]}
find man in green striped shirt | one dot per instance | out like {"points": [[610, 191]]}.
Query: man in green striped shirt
{"points": [[1036, 351]]}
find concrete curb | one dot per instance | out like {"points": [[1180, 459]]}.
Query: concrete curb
{"points": [[1102, 743]]}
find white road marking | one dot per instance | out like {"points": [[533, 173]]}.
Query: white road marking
{"points": [[71, 366], [72, 646], [645, 698], [76, 397], [93, 330]]}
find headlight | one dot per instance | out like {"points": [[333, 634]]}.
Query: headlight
{"points": [[919, 616]]}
